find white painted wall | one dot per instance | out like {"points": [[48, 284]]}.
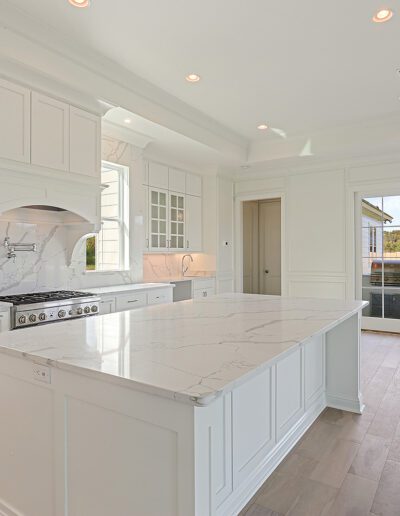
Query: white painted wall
{"points": [[319, 237]]}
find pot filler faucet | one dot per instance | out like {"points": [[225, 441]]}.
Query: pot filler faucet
{"points": [[17, 247], [184, 266]]}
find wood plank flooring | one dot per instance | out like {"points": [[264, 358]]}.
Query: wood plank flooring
{"points": [[346, 464]]}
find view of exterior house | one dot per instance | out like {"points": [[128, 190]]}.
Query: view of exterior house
{"points": [[380, 258]]}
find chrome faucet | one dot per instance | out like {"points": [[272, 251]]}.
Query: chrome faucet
{"points": [[185, 267]]}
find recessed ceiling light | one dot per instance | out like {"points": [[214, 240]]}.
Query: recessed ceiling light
{"points": [[79, 3], [192, 77], [128, 120], [382, 16], [262, 127]]}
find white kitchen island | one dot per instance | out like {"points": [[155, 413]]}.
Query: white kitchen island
{"points": [[172, 410]]}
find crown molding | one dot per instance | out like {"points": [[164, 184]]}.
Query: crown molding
{"points": [[30, 42]]}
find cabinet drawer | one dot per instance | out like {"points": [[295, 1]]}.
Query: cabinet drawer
{"points": [[130, 301], [157, 297], [204, 292], [107, 305], [201, 284]]}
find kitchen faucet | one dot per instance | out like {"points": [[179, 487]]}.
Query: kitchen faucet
{"points": [[185, 267]]}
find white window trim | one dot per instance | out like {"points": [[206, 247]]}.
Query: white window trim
{"points": [[123, 218]]}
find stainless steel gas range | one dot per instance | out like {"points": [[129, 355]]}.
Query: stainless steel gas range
{"points": [[46, 307]]}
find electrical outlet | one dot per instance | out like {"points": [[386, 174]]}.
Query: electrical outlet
{"points": [[41, 373]]}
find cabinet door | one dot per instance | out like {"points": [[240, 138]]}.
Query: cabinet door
{"points": [[50, 132], [194, 239], [158, 223], [146, 243], [15, 130], [158, 175], [177, 222], [193, 184], [107, 305], [84, 131], [177, 180]]}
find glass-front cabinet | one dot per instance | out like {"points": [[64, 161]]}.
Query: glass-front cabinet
{"points": [[158, 207], [176, 221], [166, 221]]}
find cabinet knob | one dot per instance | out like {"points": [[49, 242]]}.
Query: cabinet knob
{"points": [[266, 271]]}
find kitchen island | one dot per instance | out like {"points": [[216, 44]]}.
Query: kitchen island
{"points": [[173, 410]]}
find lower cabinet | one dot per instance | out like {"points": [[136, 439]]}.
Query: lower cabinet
{"points": [[132, 300], [246, 433], [203, 287]]}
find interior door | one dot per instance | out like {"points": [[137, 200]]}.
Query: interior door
{"points": [[270, 247]]}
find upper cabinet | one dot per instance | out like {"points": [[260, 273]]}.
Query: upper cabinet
{"points": [[193, 185], [177, 180], [39, 130], [174, 208], [158, 176], [50, 132], [85, 151], [15, 113]]}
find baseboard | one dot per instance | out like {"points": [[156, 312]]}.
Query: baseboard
{"points": [[356, 406], [243, 493]]}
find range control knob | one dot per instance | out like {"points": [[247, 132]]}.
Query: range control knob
{"points": [[22, 319], [62, 313], [42, 317], [32, 318], [79, 311], [87, 310], [95, 309]]}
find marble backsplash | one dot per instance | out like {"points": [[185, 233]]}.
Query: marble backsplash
{"points": [[47, 268], [164, 266]]}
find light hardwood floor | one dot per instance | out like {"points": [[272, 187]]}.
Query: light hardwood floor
{"points": [[346, 465]]}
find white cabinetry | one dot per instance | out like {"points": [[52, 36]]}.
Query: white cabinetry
{"points": [[107, 305], [14, 122], [39, 130], [176, 236], [203, 287], [194, 240], [85, 152], [158, 175], [174, 210], [158, 219], [50, 132], [121, 301], [130, 301], [193, 185], [176, 180]]}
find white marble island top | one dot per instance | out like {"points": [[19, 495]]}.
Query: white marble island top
{"points": [[190, 351]]}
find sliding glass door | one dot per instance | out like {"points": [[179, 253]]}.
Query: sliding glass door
{"points": [[380, 252]]}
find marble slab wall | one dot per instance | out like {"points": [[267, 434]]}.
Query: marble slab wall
{"points": [[164, 266]]}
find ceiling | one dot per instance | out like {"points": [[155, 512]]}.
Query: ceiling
{"points": [[300, 67], [160, 141]]}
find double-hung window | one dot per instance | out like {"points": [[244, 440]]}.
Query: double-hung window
{"points": [[108, 250]]}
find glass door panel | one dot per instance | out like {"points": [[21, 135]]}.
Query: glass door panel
{"points": [[381, 257], [158, 220], [177, 221]]}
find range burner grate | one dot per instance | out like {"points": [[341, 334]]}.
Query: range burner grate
{"points": [[43, 297]]}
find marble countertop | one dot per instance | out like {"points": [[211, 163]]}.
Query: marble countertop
{"points": [[190, 351], [118, 289]]}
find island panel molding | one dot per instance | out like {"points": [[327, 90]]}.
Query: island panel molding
{"points": [[200, 400]]}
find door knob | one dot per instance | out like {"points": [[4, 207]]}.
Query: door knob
{"points": [[266, 271]]}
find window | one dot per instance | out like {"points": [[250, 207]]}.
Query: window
{"points": [[108, 250], [372, 239]]}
